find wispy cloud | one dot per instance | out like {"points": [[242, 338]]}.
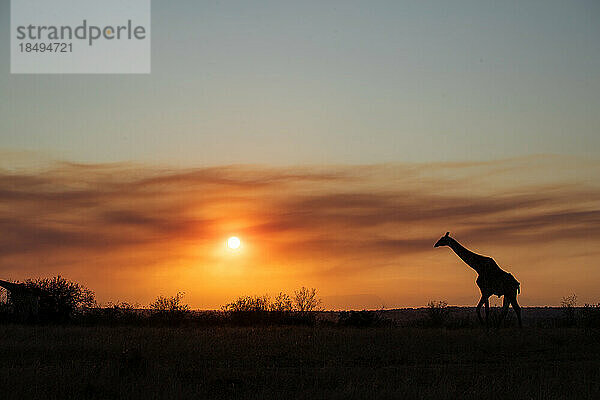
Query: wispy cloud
{"points": [[345, 219]]}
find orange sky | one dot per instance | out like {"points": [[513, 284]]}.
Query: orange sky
{"points": [[362, 235]]}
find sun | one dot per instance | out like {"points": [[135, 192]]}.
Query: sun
{"points": [[233, 243]]}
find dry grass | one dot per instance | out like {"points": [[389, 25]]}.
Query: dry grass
{"points": [[297, 362]]}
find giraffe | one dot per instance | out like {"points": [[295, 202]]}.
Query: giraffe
{"points": [[492, 280], [25, 300]]}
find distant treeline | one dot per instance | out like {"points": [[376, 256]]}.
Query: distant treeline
{"points": [[59, 300]]}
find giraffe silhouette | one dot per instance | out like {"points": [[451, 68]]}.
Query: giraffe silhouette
{"points": [[492, 280]]}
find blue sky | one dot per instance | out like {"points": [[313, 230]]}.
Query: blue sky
{"points": [[349, 82]]}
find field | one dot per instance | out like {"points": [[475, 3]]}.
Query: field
{"points": [[74, 362]]}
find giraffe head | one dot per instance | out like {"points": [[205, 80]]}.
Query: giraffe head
{"points": [[444, 240]]}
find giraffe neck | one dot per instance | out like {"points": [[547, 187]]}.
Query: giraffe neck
{"points": [[466, 255]]}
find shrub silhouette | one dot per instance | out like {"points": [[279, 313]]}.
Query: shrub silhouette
{"points": [[170, 309], [170, 304], [306, 300], [283, 310], [61, 299], [568, 305], [437, 312], [248, 310], [249, 304], [282, 303]]}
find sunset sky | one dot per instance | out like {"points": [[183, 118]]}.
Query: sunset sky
{"points": [[338, 140]]}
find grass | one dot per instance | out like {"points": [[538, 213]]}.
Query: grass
{"points": [[68, 362]]}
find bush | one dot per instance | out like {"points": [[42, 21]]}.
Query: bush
{"points": [[282, 303], [306, 300], [283, 310], [437, 311], [171, 305], [60, 299], [169, 309], [568, 305], [249, 304], [248, 310], [46, 300]]}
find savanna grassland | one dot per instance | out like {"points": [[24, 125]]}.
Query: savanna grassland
{"points": [[100, 362]]}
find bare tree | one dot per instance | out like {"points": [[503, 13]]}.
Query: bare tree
{"points": [[282, 303], [306, 300], [568, 305]]}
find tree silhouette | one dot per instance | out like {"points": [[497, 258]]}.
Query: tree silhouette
{"points": [[306, 300]]}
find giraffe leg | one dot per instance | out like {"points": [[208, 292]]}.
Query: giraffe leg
{"points": [[487, 310], [517, 308], [481, 302], [505, 304]]}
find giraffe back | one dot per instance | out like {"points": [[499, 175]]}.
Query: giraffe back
{"points": [[493, 280]]}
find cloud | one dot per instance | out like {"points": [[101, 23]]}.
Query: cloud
{"points": [[338, 219], [91, 205]]}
